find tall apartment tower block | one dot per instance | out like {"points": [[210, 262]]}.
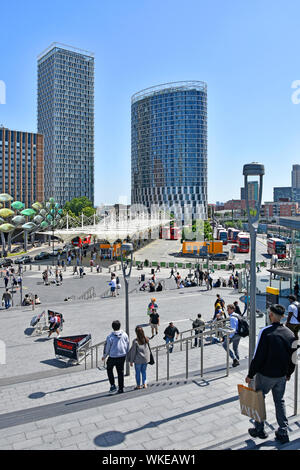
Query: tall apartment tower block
{"points": [[22, 165], [66, 119]]}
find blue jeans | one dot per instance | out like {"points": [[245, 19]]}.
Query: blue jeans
{"points": [[140, 370], [7, 303], [170, 340], [235, 343], [277, 385]]}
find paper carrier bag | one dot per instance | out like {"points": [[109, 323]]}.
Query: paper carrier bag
{"points": [[252, 403]]}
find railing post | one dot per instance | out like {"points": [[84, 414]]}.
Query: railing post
{"points": [[201, 361], [227, 355], [180, 341], [186, 358], [296, 390], [156, 364], [168, 361]]}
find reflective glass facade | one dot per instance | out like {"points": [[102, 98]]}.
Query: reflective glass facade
{"points": [[169, 147], [66, 119]]}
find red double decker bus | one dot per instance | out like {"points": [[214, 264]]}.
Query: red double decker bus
{"points": [[81, 242], [243, 242], [276, 246]]}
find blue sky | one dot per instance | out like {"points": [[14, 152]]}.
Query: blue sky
{"points": [[246, 50]]}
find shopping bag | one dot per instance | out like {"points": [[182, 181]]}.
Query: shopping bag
{"points": [[252, 403]]}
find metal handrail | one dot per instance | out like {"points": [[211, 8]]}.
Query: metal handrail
{"points": [[93, 350], [88, 294]]}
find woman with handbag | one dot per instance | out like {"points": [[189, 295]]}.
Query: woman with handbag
{"points": [[139, 355]]}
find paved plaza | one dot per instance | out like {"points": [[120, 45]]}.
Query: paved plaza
{"points": [[47, 404]]}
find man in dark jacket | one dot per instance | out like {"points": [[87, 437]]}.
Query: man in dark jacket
{"points": [[170, 333], [272, 365], [199, 326]]}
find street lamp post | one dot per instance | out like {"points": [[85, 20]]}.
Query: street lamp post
{"points": [[128, 249], [253, 169]]}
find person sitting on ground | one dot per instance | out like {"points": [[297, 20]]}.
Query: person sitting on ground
{"points": [[159, 287], [36, 300], [217, 283], [143, 286], [151, 287], [26, 300]]}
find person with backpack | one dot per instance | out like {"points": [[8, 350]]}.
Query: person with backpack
{"points": [[152, 306], [55, 322], [234, 337], [293, 319], [199, 326]]}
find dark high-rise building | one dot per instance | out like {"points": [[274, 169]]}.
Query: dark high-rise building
{"points": [[252, 191], [66, 119], [169, 147], [296, 177], [22, 165]]}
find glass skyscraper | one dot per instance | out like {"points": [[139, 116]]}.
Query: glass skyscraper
{"points": [[66, 119], [169, 147]]}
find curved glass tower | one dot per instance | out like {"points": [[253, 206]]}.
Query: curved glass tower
{"points": [[169, 147]]}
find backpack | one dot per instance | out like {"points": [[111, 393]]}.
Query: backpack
{"points": [[243, 327], [298, 309]]}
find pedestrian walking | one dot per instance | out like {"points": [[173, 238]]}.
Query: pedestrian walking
{"points": [[292, 321], [152, 306], [237, 308], [199, 326], [139, 355], [154, 322], [170, 333], [113, 286], [55, 322], [234, 338], [6, 297], [116, 348], [171, 273], [272, 366], [296, 289], [6, 280]]}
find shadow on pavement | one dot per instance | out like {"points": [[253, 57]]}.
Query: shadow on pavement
{"points": [[112, 438]]}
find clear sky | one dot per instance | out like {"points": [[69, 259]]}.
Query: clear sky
{"points": [[246, 50]]}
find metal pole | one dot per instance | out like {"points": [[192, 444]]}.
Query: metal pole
{"points": [[227, 356], [186, 358], [296, 390], [201, 361], [127, 320], [168, 361], [156, 364], [252, 328]]}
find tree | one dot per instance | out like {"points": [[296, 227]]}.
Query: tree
{"points": [[88, 211], [77, 204]]}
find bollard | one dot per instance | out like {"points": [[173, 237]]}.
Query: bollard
{"points": [[30, 268]]}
